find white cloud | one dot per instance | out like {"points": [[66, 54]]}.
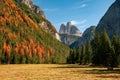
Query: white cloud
{"points": [[83, 1], [51, 10], [74, 22], [81, 6]]}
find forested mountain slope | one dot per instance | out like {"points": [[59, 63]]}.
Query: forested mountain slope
{"points": [[22, 38]]}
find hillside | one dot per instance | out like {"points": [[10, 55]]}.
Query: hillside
{"points": [[111, 20], [23, 40], [36, 14], [88, 34]]}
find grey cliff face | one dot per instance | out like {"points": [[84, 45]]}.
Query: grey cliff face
{"points": [[111, 20], [70, 30], [62, 29], [69, 33], [33, 7]]}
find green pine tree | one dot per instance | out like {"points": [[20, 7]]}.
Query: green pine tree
{"points": [[88, 53], [96, 59], [116, 45], [22, 59], [105, 48], [82, 56], [78, 52]]}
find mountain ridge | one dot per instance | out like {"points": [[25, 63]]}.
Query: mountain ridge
{"points": [[111, 20]]}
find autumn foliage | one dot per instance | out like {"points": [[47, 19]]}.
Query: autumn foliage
{"points": [[22, 40]]}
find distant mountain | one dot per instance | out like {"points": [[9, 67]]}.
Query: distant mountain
{"points": [[70, 29], [111, 20], [69, 33], [88, 34], [23, 38], [68, 39]]}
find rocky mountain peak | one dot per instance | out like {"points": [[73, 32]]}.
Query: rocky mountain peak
{"points": [[33, 7], [69, 24], [69, 29], [69, 33], [62, 29]]}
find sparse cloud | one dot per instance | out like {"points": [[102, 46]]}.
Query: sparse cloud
{"points": [[83, 5], [83, 2], [50, 10], [74, 22], [80, 6]]}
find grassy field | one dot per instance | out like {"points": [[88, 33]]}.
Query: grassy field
{"points": [[56, 72]]}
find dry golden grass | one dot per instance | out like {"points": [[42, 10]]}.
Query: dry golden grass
{"points": [[56, 72]]}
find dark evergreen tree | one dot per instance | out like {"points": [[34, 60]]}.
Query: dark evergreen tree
{"points": [[96, 59], [104, 53], [22, 59], [105, 48], [72, 57], [1, 56], [38, 58], [116, 45], [82, 56], [77, 55], [16, 58], [28, 58], [88, 53]]}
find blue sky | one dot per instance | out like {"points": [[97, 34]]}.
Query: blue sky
{"points": [[82, 13]]}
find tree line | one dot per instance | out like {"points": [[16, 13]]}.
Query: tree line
{"points": [[101, 51]]}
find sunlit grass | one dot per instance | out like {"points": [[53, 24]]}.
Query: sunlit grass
{"points": [[56, 72]]}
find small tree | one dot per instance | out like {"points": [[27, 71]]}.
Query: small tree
{"points": [[78, 52], [82, 56], [72, 57], [96, 59], [107, 50], [116, 45], [88, 53], [22, 59]]}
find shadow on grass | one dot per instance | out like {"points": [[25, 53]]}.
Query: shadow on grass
{"points": [[98, 71], [74, 66], [103, 73], [110, 76]]}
